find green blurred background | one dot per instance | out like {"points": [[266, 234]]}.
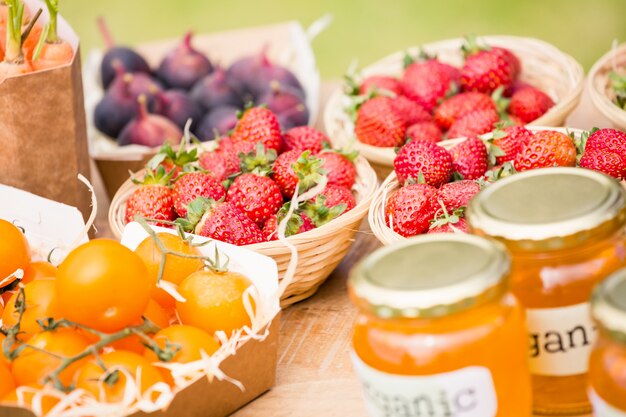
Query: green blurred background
{"points": [[366, 30]]}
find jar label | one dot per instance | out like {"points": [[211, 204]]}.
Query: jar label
{"points": [[467, 392], [601, 408], [560, 339]]}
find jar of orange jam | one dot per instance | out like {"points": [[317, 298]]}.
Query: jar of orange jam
{"points": [[564, 230], [438, 333], [607, 366]]}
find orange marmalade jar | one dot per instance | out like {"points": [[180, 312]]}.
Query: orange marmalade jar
{"points": [[607, 366], [437, 332], [564, 230]]}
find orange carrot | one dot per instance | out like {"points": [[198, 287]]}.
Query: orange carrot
{"points": [[51, 51], [14, 63]]}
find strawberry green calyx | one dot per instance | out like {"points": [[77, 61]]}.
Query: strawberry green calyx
{"points": [[447, 218], [618, 83], [294, 223], [422, 56], [259, 161], [351, 86], [320, 214], [195, 212], [348, 154], [309, 171], [501, 102], [179, 158], [472, 46], [155, 177]]}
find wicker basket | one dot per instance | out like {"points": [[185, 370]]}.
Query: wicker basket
{"points": [[543, 65], [599, 85], [376, 215], [319, 250]]}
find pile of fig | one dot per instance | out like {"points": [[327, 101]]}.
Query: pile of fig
{"points": [[150, 106]]}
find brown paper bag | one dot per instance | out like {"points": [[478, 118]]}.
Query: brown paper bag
{"points": [[43, 134]]}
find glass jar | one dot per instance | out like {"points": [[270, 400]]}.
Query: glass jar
{"points": [[564, 230], [607, 366], [438, 333]]}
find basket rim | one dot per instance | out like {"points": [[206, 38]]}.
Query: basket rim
{"points": [[376, 213], [599, 98], [384, 155], [365, 175]]}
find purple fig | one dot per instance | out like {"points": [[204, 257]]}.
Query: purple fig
{"points": [[216, 90], [149, 129], [254, 75], [138, 83], [288, 105], [132, 61], [220, 119], [177, 106], [115, 110], [184, 66]]}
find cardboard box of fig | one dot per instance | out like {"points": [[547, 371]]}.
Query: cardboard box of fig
{"points": [[205, 77], [43, 135], [70, 344]]}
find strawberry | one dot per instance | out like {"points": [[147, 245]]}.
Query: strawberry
{"points": [[427, 82], [529, 104], [254, 192], [377, 83], [457, 194], [335, 195], [302, 138], [409, 210], [607, 140], [339, 167], [173, 160], [257, 196], [455, 225], [329, 204], [430, 160], [299, 223], [428, 131], [470, 158], [607, 162], [411, 111], [258, 124], [510, 142], [508, 55], [379, 124], [222, 221], [226, 144], [546, 148], [221, 164], [191, 185], [294, 166], [474, 123], [153, 199], [485, 69], [459, 105]]}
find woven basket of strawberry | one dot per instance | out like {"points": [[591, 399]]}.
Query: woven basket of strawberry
{"points": [[250, 186], [431, 185], [607, 85], [450, 89]]}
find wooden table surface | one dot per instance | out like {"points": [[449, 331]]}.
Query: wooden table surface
{"points": [[314, 376]]}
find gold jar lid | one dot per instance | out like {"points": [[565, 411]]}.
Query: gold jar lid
{"points": [[430, 276], [549, 209], [608, 305]]}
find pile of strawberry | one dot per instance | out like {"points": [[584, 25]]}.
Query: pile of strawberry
{"points": [[437, 183], [240, 191], [433, 100]]}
